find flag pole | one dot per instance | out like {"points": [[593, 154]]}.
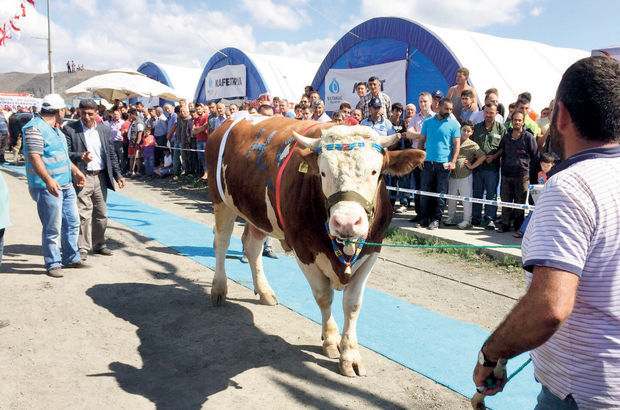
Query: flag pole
{"points": [[49, 50]]}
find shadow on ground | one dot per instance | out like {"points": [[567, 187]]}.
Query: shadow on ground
{"points": [[191, 350]]}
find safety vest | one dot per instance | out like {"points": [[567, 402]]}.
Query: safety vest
{"points": [[55, 154]]}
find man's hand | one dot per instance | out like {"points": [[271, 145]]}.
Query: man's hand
{"points": [[121, 183], [481, 374], [86, 157], [53, 187], [451, 165], [467, 164], [79, 178]]}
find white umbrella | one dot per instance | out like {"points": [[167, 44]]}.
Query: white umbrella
{"points": [[122, 85]]}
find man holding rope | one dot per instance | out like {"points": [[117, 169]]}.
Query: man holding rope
{"points": [[570, 315]]}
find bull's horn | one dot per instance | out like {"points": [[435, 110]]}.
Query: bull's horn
{"points": [[312, 143], [386, 141]]}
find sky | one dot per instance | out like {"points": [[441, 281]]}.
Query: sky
{"points": [[116, 34]]}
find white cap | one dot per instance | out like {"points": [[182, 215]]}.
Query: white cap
{"points": [[52, 102]]}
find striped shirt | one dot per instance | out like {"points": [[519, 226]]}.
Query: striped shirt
{"points": [[576, 228]]}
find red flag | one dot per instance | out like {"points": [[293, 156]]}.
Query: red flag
{"points": [[3, 35], [31, 2], [23, 10], [13, 26]]}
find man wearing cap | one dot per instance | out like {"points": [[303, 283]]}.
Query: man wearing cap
{"points": [[318, 108], [92, 150], [376, 120], [50, 172], [436, 96]]}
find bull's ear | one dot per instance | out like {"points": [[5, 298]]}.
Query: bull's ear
{"points": [[311, 158], [399, 163]]}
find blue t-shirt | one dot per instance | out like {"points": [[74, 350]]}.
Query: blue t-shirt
{"points": [[439, 135]]}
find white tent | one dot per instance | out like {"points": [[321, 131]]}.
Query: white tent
{"points": [[251, 75], [510, 65], [410, 57], [182, 79]]}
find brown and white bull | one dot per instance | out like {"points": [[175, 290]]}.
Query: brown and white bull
{"points": [[286, 178]]}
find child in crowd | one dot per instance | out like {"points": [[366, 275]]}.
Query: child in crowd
{"points": [[461, 179], [467, 101], [148, 151], [546, 163], [165, 168]]}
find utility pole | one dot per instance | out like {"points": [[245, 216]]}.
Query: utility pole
{"points": [[49, 50]]}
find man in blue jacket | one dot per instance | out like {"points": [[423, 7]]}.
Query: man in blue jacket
{"points": [[50, 174]]}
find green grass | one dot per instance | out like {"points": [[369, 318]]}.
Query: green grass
{"points": [[393, 235]]}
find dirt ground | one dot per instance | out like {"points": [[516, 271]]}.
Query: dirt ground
{"points": [[137, 331]]}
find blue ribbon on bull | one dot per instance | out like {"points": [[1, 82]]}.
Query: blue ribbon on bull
{"points": [[340, 254], [348, 147]]}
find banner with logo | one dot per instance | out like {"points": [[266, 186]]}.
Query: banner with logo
{"points": [[225, 82], [340, 83]]}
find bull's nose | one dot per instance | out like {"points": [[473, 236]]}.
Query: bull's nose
{"points": [[347, 226]]}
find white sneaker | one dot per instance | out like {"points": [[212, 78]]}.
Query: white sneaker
{"points": [[401, 209], [463, 225]]}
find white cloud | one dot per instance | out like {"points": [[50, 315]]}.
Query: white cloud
{"points": [[458, 14], [268, 14], [536, 11], [313, 51]]}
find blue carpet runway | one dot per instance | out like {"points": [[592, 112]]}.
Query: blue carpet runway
{"points": [[442, 349]]}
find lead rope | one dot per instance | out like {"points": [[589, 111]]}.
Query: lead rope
{"points": [[340, 254]]}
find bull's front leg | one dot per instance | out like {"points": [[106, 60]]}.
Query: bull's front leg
{"points": [[253, 240], [350, 358], [324, 295]]}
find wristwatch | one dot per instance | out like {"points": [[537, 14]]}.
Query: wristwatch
{"points": [[483, 361]]}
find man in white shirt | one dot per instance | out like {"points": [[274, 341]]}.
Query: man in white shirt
{"points": [[570, 316], [92, 151], [319, 111]]}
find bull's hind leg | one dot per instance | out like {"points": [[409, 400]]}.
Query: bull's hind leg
{"points": [[253, 240], [324, 295], [224, 224]]}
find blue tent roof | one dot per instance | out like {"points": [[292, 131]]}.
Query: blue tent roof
{"points": [[255, 84], [430, 64]]}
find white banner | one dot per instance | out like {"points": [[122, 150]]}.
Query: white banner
{"points": [[11, 102], [340, 83], [225, 82]]}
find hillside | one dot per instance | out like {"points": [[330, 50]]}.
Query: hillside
{"points": [[38, 84]]}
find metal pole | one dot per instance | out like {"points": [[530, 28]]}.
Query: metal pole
{"points": [[49, 50]]}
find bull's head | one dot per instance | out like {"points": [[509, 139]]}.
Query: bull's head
{"points": [[350, 161]]}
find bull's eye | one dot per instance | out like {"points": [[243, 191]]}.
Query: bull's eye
{"points": [[323, 174]]}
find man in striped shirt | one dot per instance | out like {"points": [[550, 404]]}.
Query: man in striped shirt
{"points": [[570, 316]]}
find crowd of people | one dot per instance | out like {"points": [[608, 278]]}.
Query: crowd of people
{"points": [[72, 67], [470, 148]]}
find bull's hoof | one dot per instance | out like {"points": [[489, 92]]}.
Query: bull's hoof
{"points": [[352, 368], [269, 299], [331, 350], [218, 294]]}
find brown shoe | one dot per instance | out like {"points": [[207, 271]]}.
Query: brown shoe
{"points": [[55, 272], [77, 265]]}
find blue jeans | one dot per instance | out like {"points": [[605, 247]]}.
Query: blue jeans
{"points": [[485, 180], [549, 401], [61, 226], [176, 158], [435, 178], [149, 165], [201, 155]]}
